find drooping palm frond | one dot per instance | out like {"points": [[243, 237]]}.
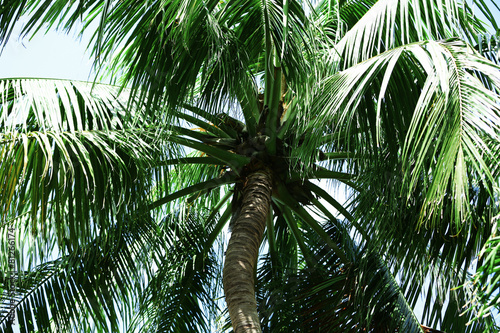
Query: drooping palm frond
{"points": [[486, 281], [384, 107], [433, 261], [10, 11], [158, 41], [180, 48], [182, 295], [98, 282], [69, 149], [159, 157], [389, 24], [321, 297], [417, 132], [489, 10]]}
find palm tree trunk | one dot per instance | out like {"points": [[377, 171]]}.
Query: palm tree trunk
{"points": [[242, 252]]}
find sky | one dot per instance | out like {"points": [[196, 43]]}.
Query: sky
{"points": [[53, 55]]}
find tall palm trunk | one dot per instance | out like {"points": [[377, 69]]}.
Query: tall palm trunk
{"points": [[242, 251]]}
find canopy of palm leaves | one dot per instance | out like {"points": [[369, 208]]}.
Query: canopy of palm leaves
{"points": [[118, 196]]}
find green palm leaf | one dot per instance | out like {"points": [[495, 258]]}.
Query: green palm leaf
{"points": [[181, 297], [73, 161], [485, 282], [98, 280], [379, 97]]}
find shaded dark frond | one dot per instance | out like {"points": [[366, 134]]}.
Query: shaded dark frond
{"points": [[43, 14], [370, 298], [286, 284], [486, 281], [95, 282], [182, 296], [10, 11], [429, 262], [328, 296]]}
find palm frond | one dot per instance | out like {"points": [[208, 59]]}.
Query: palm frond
{"points": [[97, 280], [10, 11], [471, 122], [70, 149], [196, 184], [389, 24], [450, 88], [324, 296], [434, 260], [182, 296], [486, 281], [489, 9], [371, 94]]}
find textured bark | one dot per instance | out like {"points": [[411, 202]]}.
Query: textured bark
{"points": [[242, 252]]}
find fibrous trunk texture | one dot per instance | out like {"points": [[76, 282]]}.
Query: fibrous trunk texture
{"points": [[242, 252]]}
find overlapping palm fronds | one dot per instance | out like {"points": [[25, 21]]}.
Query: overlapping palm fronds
{"points": [[392, 99], [98, 281], [72, 157]]}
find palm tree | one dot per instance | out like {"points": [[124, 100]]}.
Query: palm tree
{"points": [[120, 228]]}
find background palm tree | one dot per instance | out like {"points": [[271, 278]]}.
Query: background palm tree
{"points": [[392, 99]]}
